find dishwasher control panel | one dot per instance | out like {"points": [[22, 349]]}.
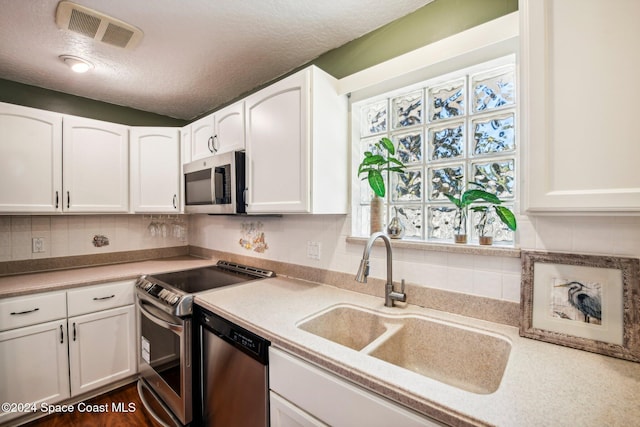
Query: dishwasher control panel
{"points": [[250, 343]]}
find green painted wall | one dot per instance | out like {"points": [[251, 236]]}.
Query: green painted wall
{"points": [[435, 21], [44, 99]]}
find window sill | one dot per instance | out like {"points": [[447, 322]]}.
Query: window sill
{"points": [[471, 249]]}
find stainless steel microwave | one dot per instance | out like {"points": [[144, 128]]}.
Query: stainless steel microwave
{"points": [[216, 184]]}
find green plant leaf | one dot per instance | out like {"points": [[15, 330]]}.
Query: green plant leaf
{"points": [[368, 154], [376, 182], [479, 208], [396, 161], [506, 216], [477, 184], [375, 159], [454, 200], [395, 169], [388, 145], [470, 196]]}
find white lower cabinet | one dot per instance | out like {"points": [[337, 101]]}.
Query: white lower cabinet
{"points": [[304, 395], [101, 348], [34, 367], [286, 414], [47, 357]]}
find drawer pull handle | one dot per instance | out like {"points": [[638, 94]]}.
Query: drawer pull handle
{"points": [[103, 298], [74, 331], [15, 313], [61, 335]]}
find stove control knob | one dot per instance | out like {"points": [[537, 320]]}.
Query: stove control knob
{"points": [[174, 300], [169, 297]]}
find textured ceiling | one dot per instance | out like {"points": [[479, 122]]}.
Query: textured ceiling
{"points": [[195, 55]]}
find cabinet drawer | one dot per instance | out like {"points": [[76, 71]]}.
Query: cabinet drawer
{"points": [[322, 395], [100, 297], [21, 311]]}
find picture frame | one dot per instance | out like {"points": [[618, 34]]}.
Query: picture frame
{"points": [[587, 302]]}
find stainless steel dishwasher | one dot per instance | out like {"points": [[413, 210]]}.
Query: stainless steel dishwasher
{"points": [[234, 383]]}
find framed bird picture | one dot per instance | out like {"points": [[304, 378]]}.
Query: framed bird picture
{"points": [[587, 302]]}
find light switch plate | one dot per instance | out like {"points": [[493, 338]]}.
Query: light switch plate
{"points": [[313, 250]]}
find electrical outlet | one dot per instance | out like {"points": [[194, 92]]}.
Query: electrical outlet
{"points": [[37, 245], [313, 250]]}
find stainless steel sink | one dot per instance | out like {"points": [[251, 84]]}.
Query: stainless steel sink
{"points": [[467, 358]]}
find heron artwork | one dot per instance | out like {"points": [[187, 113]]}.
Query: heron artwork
{"points": [[586, 299]]}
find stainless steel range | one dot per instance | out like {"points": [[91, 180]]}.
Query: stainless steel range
{"points": [[165, 306]]}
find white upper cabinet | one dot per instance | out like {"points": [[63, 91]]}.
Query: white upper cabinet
{"points": [[296, 144], [578, 85], [229, 128], [202, 131], [155, 170], [185, 144], [30, 160], [96, 166], [217, 133]]}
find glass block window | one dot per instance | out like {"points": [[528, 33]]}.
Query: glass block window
{"points": [[448, 131]]}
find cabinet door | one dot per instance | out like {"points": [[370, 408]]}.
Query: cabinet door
{"points": [[185, 144], [101, 348], [278, 146], [96, 166], [155, 170], [229, 129], [30, 160], [202, 132], [579, 85], [34, 365], [283, 413]]}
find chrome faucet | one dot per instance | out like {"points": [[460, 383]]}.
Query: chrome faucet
{"points": [[390, 295]]}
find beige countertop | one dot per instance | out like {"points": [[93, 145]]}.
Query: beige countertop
{"points": [[62, 279], [543, 384]]}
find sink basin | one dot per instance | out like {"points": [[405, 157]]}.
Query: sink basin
{"points": [[351, 327], [463, 357], [468, 359]]}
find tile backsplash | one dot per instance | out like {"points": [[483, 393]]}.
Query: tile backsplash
{"points": [[74, 235], [290, 238]]}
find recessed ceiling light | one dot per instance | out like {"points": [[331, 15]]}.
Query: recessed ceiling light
{"points": [[76, 64]]}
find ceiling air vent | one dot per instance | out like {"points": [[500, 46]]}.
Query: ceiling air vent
{"points": [[98, 26]]}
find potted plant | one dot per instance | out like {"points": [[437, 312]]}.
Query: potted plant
{"points": [[375, 162], [463, 204]]}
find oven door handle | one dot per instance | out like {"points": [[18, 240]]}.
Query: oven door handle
{"points": [[160, 322]]}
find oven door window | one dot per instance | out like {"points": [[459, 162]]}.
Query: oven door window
{"points": [[160, 349]]}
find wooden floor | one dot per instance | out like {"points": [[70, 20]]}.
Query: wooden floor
{"points": [[124, 397]]}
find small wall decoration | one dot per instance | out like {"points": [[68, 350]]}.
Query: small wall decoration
{"points": [[253, 237], [99, 241], [586, 302]]}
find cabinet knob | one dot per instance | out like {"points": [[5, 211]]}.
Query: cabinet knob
{"points": [[175, 201]]}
